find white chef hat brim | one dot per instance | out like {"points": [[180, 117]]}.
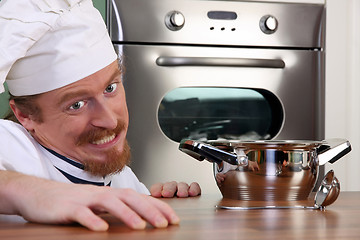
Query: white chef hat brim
{"points": [[63, 46]]}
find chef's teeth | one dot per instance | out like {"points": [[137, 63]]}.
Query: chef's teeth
{"points": [[104, 140]]}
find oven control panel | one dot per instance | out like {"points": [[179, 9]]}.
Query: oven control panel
{"points": [[175, 20], [215, 22]]}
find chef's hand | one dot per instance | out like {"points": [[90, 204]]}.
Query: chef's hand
{"points": [[220, 177], [172, 189], [44, 201]]}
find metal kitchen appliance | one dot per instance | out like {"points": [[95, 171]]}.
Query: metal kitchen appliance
{"points": [[208, 70], [271, 170]]}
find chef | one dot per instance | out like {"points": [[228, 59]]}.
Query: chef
{"points": [[69, 122]]}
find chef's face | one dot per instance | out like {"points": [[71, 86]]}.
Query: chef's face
{"points": [[86, 121]]}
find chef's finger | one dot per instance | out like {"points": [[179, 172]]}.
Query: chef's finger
{"points": [[165, 209], [156, 189], [220, 177], [85, 217], [169, 189], [156, 212], [194, 189], [126, 206], [133, 208], [182, 189]]}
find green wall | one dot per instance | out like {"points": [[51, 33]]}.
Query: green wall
{"points": [[101, 6], [4, 107]]}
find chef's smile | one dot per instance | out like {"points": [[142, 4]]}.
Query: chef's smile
{"points": [[104, 140]]}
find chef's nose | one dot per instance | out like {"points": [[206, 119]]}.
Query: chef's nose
{"points": [[104, 116]]}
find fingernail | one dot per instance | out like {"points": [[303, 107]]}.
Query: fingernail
{"points": [[175, 219], [161, 222], [100, 226], [139, 224]]}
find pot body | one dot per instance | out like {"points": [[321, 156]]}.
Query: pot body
{"points": [[272, 174]]}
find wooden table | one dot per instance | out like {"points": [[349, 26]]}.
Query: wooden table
{"points": [[201, 220]]}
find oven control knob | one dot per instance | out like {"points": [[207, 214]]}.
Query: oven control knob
{"points": [[268, 24], [174, 20]]}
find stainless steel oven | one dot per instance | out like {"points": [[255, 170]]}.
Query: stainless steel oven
{"points": [[216, 70]]}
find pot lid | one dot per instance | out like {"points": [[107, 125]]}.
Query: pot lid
{"points": [[267, 144]]}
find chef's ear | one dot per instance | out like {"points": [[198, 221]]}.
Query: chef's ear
{"points": [[23, 118]]}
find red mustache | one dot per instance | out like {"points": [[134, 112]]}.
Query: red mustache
{"points": [[97, 134]]}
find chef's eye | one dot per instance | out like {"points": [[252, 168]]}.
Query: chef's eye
{"points": [[77, 105], [111, 88]]}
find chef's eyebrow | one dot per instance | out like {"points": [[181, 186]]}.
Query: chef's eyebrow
{"points": [[74, 94]]}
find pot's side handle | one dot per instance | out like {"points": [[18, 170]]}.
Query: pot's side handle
{"points": [[332, 150], [201, 151]]}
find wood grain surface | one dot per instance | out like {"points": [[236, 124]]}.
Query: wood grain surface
{"points": [[200, 219]]}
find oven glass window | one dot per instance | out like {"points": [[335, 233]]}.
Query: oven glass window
{"points": [[210, 113]]}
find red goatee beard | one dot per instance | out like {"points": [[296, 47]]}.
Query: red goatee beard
{"points": [[115, 160]]}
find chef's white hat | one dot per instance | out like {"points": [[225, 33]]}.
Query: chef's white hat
{"points": [[47, 44]]}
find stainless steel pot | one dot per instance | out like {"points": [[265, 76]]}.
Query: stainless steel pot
{"points": [[266, 170]]}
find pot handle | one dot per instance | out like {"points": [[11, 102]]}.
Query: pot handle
{"points": [[202, 151], [332, 150]]}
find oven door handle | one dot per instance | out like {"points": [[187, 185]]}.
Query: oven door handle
{"points": [[219, 62]]}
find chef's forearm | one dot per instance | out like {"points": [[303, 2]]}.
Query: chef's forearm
{"points": [[10, 189]]}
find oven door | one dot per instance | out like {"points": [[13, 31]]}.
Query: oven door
{"points": [[176, 92]]}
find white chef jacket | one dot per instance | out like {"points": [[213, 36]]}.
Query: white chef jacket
{"points": [[20, 152]]}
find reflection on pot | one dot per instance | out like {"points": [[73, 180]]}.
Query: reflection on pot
{"points": [[271, 175]]}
